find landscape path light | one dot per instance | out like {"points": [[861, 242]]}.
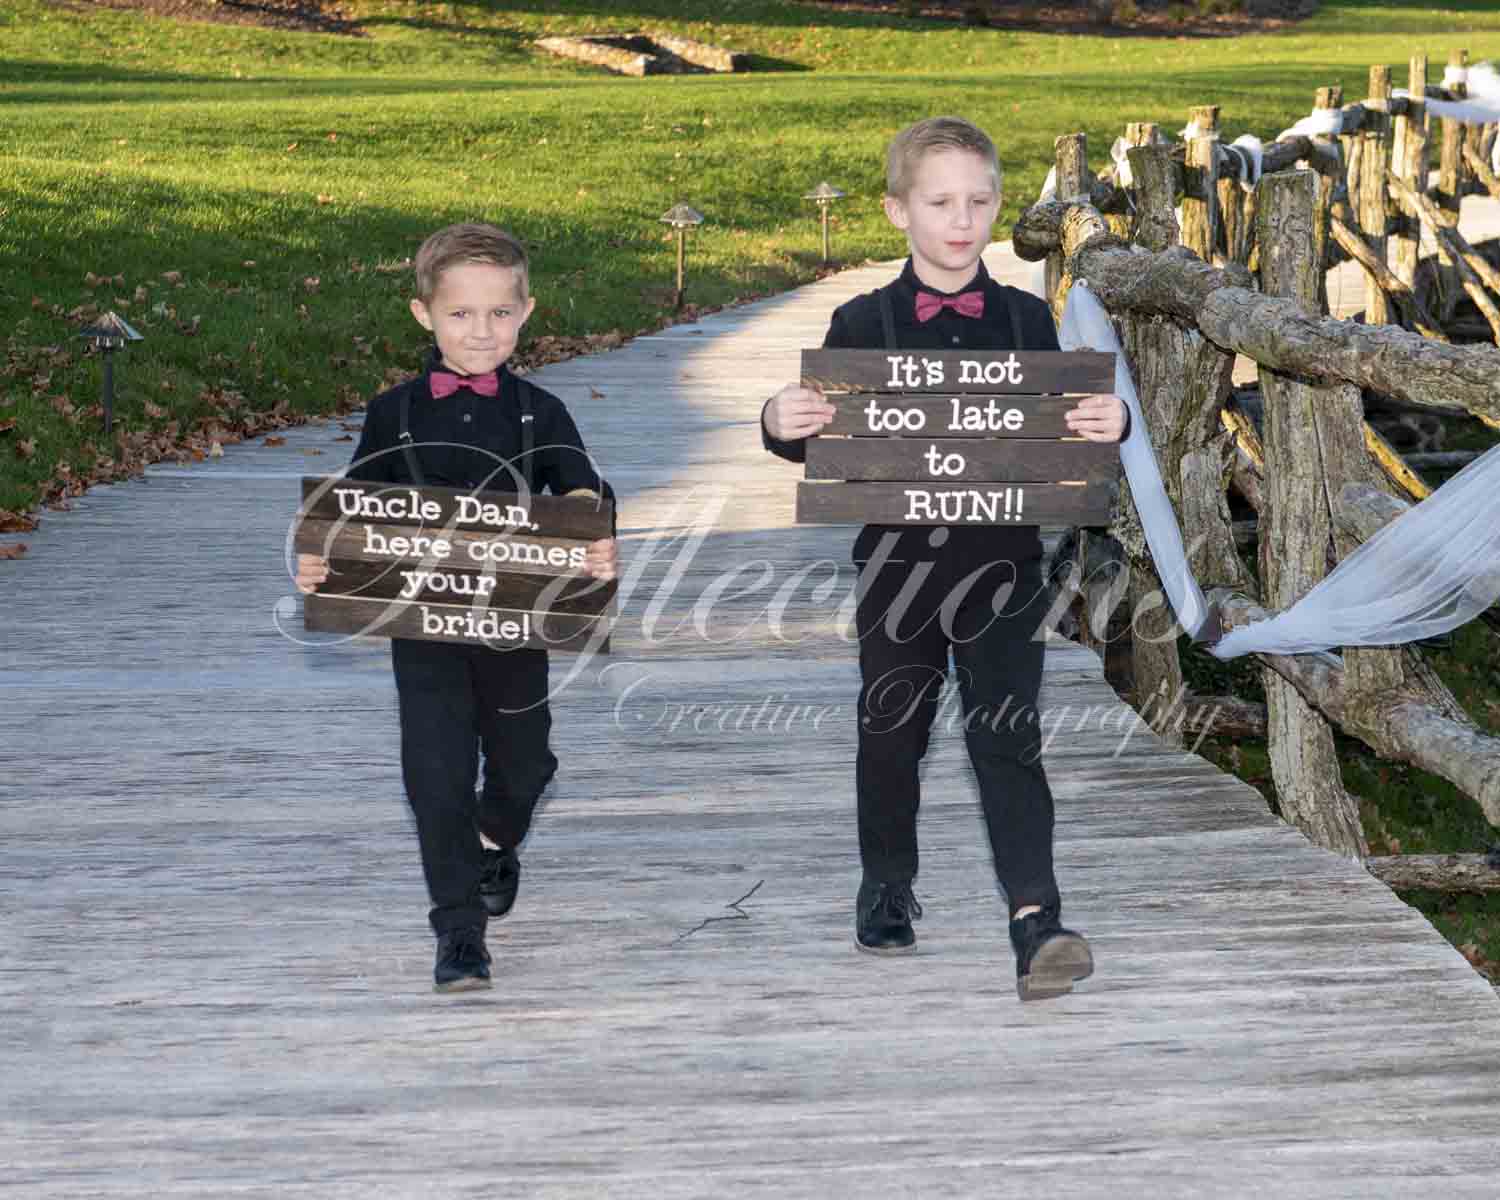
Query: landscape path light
{"points": [[825, 194], [681, 217], [109, 333]]}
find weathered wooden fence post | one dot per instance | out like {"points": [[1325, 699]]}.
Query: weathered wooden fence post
{"points": [[1072, 184], [1183, 381], [1326, 98], [1296, 523], [1409, 160], [1372, 207], [1200, 195], [1451, 178]]}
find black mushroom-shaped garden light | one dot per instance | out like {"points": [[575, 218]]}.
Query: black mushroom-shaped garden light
{"points": [[109, 333]]}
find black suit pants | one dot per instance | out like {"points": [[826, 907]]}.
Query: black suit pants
{"points": [[984, 608], [455, 700]]}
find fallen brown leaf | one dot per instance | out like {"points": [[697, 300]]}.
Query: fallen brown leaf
{"points": [[155, 411], [172, 276], [311, 283], [7, 426], [12, 549], [14, 522], [26, 447], [348, 437], [275, 441]]}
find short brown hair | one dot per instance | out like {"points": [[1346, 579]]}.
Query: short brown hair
{"points": [[469, 243], [913, 143]]}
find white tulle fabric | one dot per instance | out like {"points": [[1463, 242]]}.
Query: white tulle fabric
{"points": [[1433, 569]]}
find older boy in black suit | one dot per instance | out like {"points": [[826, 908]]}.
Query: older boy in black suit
{"points": [[975, 589]]}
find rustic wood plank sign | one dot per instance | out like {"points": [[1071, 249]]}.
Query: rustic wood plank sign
{"points": [[955, 438], [449, 565]]}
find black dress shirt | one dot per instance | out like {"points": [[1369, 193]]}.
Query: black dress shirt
{"points": [[462, 440], [857, 325]]}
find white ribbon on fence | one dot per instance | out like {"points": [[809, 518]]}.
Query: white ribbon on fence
{"points": [[1434, 568], [1482, 107], [1321, 122]]}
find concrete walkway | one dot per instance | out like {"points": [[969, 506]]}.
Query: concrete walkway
{"points": [[214, 962]]}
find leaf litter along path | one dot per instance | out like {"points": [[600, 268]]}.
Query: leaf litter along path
{"points": [[215, 966]]}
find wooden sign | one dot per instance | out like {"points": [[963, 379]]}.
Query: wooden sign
{"points": [[448, 565], [956, 438]]}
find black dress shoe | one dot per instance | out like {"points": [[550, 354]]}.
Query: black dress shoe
{"points": [[463, 964], [499, 880], [1049, 958], [883, 913]]}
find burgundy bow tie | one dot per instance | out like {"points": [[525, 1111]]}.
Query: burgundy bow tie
{"points": [[965, 304], [445, 383]]}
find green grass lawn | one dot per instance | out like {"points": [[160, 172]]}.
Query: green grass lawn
{"points": [[274, 173]]}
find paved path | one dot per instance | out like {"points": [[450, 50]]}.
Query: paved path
{"points": [[215, 969]]}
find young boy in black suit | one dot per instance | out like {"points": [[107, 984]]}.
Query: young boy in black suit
{"points": [[463, 423], [975, 589]]}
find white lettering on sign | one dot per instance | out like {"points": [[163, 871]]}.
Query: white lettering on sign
{"points": [[457, 583], [894, 420], [488, 628], [984, 418], [474, 511], [418, 545], [508, 550], [944, 464], [960, 506], [995, 371], [401, 506]]}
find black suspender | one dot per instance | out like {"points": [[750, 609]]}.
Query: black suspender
{"points": [[404, 437], [528, 434], [1015, 322]]}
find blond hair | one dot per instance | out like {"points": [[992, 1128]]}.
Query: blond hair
{"points": [[915, 142], [470, 242]]}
